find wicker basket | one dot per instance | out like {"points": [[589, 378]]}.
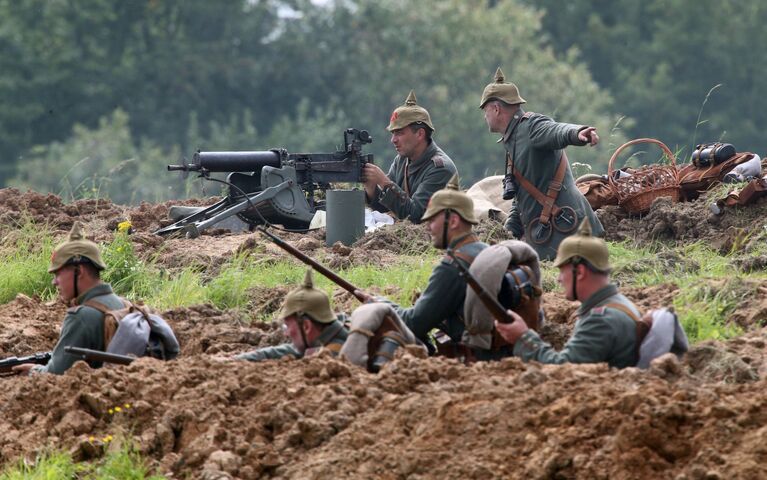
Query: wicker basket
{"points": [[636, 192]]}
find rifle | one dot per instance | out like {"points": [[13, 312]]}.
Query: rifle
{"points": [[7, 364], [329, 274], [97, 356], [279, 187], [490, 301]]}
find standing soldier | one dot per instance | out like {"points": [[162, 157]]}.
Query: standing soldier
{"points": [[450, 219], [419, 169], [609, 328], [548, 207], [308, 321]]}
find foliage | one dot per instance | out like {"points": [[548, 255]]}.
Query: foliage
{"points": [[124, 463], [97, 104], [25, 253], [661, 59]]}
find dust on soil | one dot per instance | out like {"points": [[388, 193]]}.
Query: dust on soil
{"points": [[205, 417]]}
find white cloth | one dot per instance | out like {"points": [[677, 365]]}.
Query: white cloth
{"points": [[666, 335], [374, 220]]}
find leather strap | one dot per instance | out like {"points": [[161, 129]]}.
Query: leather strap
{"points": [[546, 201], [641, 327], [405, 182]]}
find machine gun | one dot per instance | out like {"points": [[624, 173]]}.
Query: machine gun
{"points": [[7, 364], [272, 186]]}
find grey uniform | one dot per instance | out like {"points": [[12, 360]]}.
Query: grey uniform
{"points": [[602, 334], [535, 144], [83, 327], [410, 194], [332, 338]]}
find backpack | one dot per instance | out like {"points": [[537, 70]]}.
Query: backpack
{"points": [[136, 330], [658, 332]]}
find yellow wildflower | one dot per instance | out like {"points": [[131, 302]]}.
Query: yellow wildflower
{"points": [[127, 405], [111, 411], [118, 409], [124, 226]]}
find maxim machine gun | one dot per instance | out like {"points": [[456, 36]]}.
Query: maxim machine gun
{"points": [[272, 186]]}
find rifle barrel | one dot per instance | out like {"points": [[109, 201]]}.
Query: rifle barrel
{"points": [[312, 263], [98, 356]]}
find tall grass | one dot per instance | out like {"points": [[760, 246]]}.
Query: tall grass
{"points": [[25, 253]]}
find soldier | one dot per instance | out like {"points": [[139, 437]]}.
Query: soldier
{"points": [[548, 207], [608, 329], [76, 266], [450, 219], [308, 321], [419, 169]]}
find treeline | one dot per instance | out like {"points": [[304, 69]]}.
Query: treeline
{"points": [[97, 96]]}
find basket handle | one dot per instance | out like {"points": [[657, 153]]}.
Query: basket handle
{"points": [[618, 150]]}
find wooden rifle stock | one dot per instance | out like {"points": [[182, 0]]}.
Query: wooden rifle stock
{"points": [[329, 274], [490, 302], [98, 356]]}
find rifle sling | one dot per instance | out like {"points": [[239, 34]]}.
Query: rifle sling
{"points": [[110, 327], [546, 201]]}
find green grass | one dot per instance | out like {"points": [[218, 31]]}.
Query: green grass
{"points": [[123, 464], [25, 253]]}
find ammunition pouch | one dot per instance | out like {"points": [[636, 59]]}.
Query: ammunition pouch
{"points": [[712, 154]]}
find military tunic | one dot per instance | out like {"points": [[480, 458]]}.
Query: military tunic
{"points": [[441, 304], [83, 327], [332, 337], [535, 143], [425, 176], [602, 334]]}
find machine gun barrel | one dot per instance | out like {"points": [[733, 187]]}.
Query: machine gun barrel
{"points": [[230, 161]]}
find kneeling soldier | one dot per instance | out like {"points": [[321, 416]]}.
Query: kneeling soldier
{"points": [[309, 323], [609, 328]]}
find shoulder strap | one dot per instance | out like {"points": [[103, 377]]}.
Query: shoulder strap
{"points": [[110, 322], [547, 200], [641, 327]]}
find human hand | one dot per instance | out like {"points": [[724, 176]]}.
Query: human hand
{"points": [[373, 175], [511, 331], [23, 369], [363, 296], [589, 135]]}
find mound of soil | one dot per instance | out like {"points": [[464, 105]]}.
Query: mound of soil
{"points": [[203, 418], [206, 416]]}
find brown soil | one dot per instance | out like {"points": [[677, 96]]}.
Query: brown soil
{"points": [[204, 416]]}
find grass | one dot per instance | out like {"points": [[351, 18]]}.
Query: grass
{"points": [[123, 464], [693, 268]]}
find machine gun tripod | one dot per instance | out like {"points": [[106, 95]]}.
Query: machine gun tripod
{"points": [[272, 186]]}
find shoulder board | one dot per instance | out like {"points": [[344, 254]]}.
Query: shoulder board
{"points": [[439, 162], [528, 114], [75, 309], [598, 310]]}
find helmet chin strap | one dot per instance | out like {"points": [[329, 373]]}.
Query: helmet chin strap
{"points": [[575, 264], [444, 227], [74, 282]]}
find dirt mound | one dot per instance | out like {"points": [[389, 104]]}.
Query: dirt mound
{"points": [[687, 221], [421, 418]]}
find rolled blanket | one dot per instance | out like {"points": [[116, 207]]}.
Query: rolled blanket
{"points": [[489, 268], [370, 324], [666, 335]]}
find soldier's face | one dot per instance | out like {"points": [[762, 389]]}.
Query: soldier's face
{"points": [[492, 117], [64, 281], [565, 279], [436, 226], [405, 141]]}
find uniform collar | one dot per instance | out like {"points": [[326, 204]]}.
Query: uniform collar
{"points": [[97, 291], [512, 125], [328, 334], [415, 164], [464, 239], [598, 297]]}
